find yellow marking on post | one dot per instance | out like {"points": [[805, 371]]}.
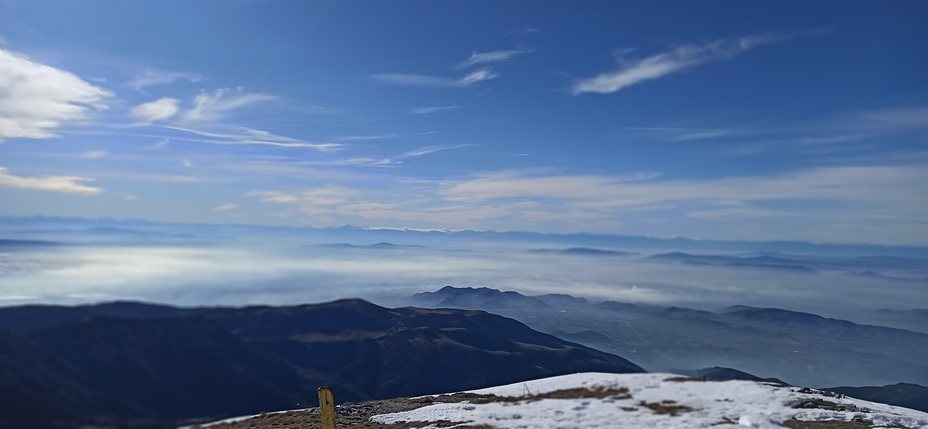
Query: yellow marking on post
{"points": [[327, 407]]}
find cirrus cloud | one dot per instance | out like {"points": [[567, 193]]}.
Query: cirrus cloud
{"points": [[677, 60], [210, 106]]}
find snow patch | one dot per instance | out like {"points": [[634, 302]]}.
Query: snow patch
{"points": [[656, 402]]}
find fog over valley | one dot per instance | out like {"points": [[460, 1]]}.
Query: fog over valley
{"points": [[74, 262]]}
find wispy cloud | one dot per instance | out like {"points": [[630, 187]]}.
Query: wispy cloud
{"points": [[368, 162], [381, 162], [365, 138], [890, 186], [476, 76], [492, 57], [65, 184], [525, 29], [209, 107], [433, 109], [151, 77], [381, 136], [186, 163], [36, 99], [95, 154], [225, 207], [435, 81], [429, 149], [677, 60], [157, 110], [684, 134], [906, 118], [867, 198], [248, 136]]}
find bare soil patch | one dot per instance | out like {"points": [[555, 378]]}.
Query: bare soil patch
{"points": [[357, 415]]}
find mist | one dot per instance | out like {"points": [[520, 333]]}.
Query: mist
{"points": [[202, 265]]}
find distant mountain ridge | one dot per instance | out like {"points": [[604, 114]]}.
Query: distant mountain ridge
{"points": [[770, 262], [31, 226], [380, 245], [583, 251], [799, 348], [160, 362]]}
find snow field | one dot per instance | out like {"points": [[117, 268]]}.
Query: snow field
{"points": [[712, 404]]}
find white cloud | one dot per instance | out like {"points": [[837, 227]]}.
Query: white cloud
{"points": [[158, 110], [274, 197], [374, 162], [426, 110], [66, 184], [476, 76], [492, 57], [36, 99], [436, 81], [685, 134], [95, 154], [365, 138], [382, 162], [209, 107], [225, 207], [805, 204], [677, 60], [332, 205], [152, 77], [248, 136], [900, 118], [889, 188], [429, 149], [186, 163]]}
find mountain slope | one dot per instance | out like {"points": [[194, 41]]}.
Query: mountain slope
{"points": [[615, 401], [173, 363]]}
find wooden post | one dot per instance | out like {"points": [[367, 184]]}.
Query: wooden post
{"points": [[327, 407]]}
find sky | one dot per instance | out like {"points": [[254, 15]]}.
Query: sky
{"points": [[742, 121]]}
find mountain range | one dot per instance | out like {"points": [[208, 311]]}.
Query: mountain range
{"points": [[799, 348]]}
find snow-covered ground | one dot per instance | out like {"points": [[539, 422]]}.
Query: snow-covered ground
{"points": [[708, 404]]}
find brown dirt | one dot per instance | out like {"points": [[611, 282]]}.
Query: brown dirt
{"points": [[681, 379], [358, 415], [831, 424], [670, 408]]}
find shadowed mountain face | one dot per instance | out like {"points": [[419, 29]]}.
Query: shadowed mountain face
{"points": [[146, 361], [720, 373], [903, 394]]}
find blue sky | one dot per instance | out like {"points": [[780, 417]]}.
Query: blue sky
{"points": [[743, 120]]}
